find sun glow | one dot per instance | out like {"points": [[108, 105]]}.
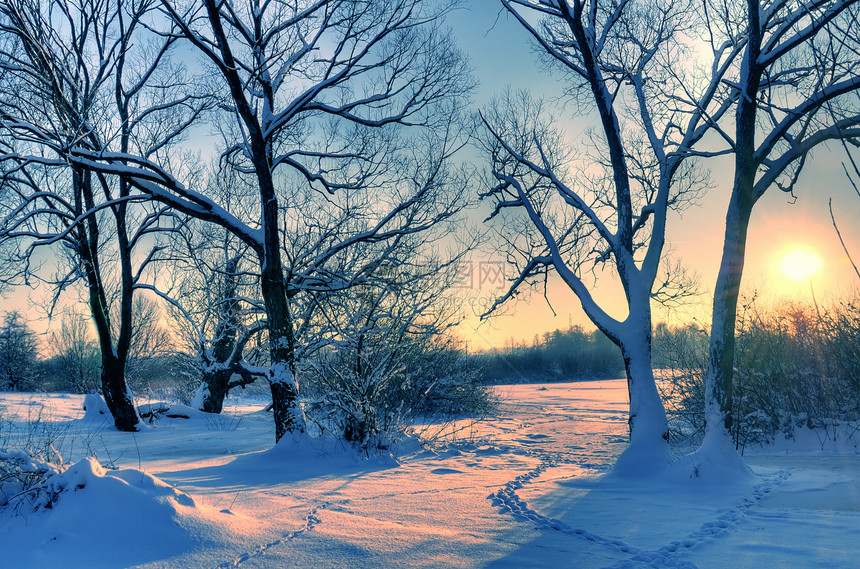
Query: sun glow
{"points": [[800, 264]]}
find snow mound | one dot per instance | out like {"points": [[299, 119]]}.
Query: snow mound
{"points": [[100, 518], [642, 461], [716, 462], [95, 408]]}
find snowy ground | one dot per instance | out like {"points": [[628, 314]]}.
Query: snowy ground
{"points": [[522, 489]]}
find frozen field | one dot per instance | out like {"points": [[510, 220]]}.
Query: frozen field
{"points": [[522, 489]]}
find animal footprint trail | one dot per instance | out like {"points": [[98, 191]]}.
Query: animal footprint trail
{"points": [[311, 521], [725, 523], [509, 502]]}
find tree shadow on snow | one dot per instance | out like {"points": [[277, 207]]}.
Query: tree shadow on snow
{"points": [[289, 461]]}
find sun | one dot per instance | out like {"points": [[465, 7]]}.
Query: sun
{"points": [[800, 263]]}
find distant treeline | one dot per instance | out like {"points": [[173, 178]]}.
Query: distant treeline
{"points": [[562, 355]]}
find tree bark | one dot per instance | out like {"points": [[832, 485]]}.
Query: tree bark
{"points": [[282, 350], [217, 385], [287, 415], [720, 372], [114, 387], [117, 395]]}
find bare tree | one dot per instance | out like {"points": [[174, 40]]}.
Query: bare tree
{"points": [[214, 303], [224, 365], [574, 215], [18, 353], [77, 352], [797, 81], [68, 81], [317, 93]]}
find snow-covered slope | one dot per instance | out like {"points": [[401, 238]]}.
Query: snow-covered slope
{"points": [[526, 488]]}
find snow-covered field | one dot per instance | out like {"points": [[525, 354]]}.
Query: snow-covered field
{"points": [[525, 488]]}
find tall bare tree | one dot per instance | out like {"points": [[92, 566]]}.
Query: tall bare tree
{"points": [[798, 81], [213, 300], [68, 81], [570, 215]]}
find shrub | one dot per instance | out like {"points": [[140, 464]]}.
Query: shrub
{"points": [[24, 479], [33, 454], [680, 355], [795, 366], [372, 397]]}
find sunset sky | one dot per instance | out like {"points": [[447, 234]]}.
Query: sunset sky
{"points": [[503, 56]]}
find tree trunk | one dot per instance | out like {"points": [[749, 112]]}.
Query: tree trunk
{"points": [[217, 374], [282, 374], [216, 386], [285, 404], [114, 387], [720, 372], [287, 414], [649, 430], [718, 457], [721, 355], [116, 394]]}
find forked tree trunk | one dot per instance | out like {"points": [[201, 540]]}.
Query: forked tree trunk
{"points": [[113, 383], [117, 395], [217, 374]]}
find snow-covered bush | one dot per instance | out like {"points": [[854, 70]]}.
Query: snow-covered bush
{"points": [[34, 450], [795, 366], [379, 356], [25, 479], [25, 469], [373, 396]]}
